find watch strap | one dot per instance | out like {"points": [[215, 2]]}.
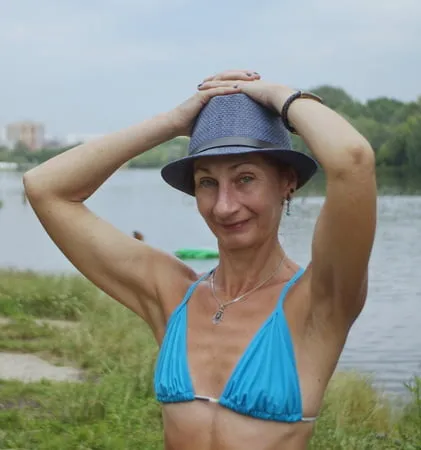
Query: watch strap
{"points": [[288, 102]]}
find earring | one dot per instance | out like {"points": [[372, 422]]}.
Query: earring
{"points": [[288, 211], [289, 198]]}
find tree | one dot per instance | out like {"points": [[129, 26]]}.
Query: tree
{"points": [[334, 97], [376, 133], [162, 154], [403, 149], [407, 110], [393, 152], [20, 148], [413, 142], [383, 109], [392, 127]]}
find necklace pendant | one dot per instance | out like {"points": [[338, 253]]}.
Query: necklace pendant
{"points": [[219, 315]]}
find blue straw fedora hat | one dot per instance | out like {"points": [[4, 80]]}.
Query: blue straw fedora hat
{"points": [[235, 124]]}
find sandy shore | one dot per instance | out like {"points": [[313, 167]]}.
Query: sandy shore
{"points": [[29, 368]]}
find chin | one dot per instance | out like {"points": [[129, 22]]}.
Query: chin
{"points": [[237, 241]]}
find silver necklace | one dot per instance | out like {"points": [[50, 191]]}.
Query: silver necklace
{"points": [[219, 315]]}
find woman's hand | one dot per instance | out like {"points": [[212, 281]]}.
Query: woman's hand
{"points": [[183, 116], [270, 95]]}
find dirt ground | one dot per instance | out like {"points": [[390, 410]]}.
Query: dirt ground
{"points": [[29, 368]]}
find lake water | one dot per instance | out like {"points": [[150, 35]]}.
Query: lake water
{"points": [[386, 339]]}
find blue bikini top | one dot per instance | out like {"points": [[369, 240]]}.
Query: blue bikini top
{"points": [[264, 383]]}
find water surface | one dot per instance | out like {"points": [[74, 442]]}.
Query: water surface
{"points": [[386, 339]]}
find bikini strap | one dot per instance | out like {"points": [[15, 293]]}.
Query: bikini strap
{"points": [[192, 287], [287, 287]]}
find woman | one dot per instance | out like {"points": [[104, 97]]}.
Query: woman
{"points": [[248, 366]]}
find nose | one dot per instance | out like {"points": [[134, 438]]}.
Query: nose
{"points": [[226, 204]]}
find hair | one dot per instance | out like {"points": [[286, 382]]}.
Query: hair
{"points": [[273, 161]]}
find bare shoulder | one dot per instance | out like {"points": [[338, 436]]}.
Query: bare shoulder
{"points": [[173, 279]]}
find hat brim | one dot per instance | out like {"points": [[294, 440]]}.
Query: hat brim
{"points": [[179, 174]]}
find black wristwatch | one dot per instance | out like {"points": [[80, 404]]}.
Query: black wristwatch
{"points": [[287, 104]]}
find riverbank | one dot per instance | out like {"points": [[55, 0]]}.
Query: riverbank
{"points": [[111, 406]]}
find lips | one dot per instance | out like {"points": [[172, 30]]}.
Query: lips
{"points": [[235, 226]]}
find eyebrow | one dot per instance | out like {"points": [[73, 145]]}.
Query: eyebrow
{"points": [[232, 167]]}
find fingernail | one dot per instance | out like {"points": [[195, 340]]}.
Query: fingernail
{"points": [[256, 73], [200, 84], [249, 74], [235, 86]]}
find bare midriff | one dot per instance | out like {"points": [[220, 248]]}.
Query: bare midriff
{"points": [[208, 426]]}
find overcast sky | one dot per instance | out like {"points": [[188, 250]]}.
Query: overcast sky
{"points": [[94, 66]]}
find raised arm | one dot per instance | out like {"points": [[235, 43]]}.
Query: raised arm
{"points": [[344, 232], [345, 229], [123, 267], [118, 264]]}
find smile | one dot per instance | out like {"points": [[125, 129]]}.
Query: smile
{"points": [[236, 226]]}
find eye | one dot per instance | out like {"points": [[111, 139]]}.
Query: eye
{"points": [[246, 179], [207, 182]]}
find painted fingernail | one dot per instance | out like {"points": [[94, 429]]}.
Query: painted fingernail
{"points": [[249, 74], [256, 73], [200, 84], [235, 86]]}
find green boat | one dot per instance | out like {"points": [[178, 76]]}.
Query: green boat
{"points": [[197, 253]]}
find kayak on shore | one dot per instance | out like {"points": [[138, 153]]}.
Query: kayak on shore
{"points": [[186, 253], [197, 253]]}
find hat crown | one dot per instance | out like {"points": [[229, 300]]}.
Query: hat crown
{"points": [[238, 115]]}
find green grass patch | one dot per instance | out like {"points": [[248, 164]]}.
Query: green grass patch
{"points": [[356, 416], [25, 335], [57, 297], [114, 413], [115, 408]]}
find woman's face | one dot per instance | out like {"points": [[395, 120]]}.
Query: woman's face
{"points": [[241, 197]]}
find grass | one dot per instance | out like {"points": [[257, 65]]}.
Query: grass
{"points": [[58, 297], [114, 409], [356, 416], [25, 335]]}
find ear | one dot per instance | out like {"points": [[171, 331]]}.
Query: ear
{"points": [[292, 178]]}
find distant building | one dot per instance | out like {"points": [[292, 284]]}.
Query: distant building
{"points": [[31, 134]]}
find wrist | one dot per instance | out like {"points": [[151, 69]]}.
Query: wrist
{"points": [[170, 126], [290, 101], [280, 96], [149, 133]]}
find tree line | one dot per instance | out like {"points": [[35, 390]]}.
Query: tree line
{"points": [[392, 127]]}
